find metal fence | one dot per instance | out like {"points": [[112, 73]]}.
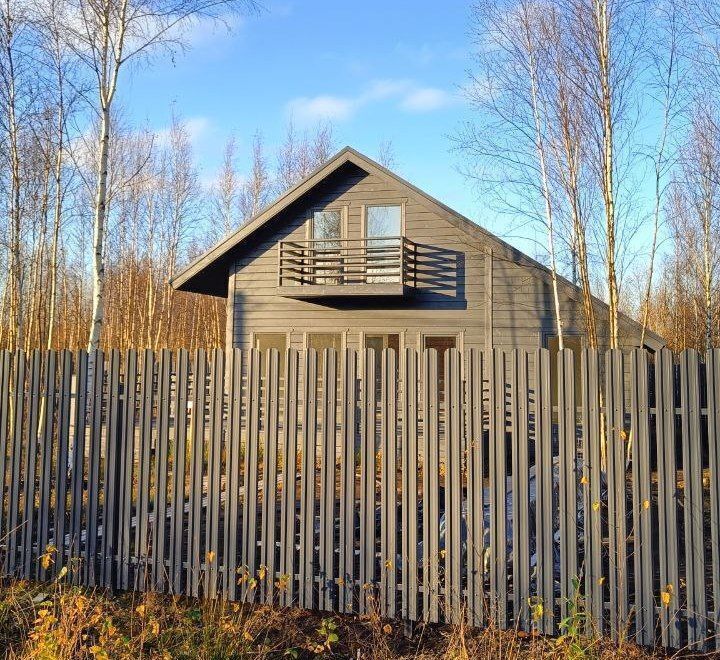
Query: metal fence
{"points": [[489, 487]]}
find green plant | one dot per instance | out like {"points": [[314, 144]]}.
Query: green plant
{"points": [[573, 637]]}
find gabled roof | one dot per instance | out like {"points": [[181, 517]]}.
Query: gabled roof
{"points": [[208, 274]]}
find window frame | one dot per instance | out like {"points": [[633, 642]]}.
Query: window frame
{"points": [[310, 224], [458, 334], [364, 216], [342, 333], [254, 334]]}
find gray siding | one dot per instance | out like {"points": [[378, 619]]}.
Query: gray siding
{"points": [[451, 299]]}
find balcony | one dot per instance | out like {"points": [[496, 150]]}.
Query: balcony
{"points": [[362, 267]]}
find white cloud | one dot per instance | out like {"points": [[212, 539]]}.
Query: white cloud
{"points": [[408, 95], [426, 99], [323, 107]]}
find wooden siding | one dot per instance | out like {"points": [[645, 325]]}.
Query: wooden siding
{"points": [[451, 296]]}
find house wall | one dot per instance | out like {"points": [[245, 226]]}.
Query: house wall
{"points": [[452, 298]]}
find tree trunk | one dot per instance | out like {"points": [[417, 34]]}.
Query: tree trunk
{"points": [[99, 232]]}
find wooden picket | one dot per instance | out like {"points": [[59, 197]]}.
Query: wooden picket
{"points": [[426, 487]]}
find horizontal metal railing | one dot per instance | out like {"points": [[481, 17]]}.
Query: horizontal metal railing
{"points": [[343, 262]]}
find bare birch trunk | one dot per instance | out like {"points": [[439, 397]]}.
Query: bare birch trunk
{"points": [[545, 187]]}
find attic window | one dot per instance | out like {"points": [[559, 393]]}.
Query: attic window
{"points": [[383, 221]]}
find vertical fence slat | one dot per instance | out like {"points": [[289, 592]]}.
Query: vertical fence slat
{"points": [[45, 478], [197, 444], [453, 486], [5, 434], [93, 479], [712, 366], [78, 460], [409, 462], [233, 445], [668, 497], [328, 406], [111, 472], [61, 459], [545, 564], [348, 424], [307, 480], [642, 514], [212, 506], [250, 473], [289, 478], [270, 459], [431, 469], [367, 481], [142, 538], [126, 468], [617, 495], [693, 499], [475, 521], [567, 483], [29, 479], [520, 489], [498, 490], [159, 571], [388, 487], [180, 416], [591, 478]]}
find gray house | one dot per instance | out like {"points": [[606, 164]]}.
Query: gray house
{"points": [[356, 256]]}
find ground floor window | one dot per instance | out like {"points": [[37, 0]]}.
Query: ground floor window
{"points": [[264, 341], [380, 342], [440, 343], [322, 340]]}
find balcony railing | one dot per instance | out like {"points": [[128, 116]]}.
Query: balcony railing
{"points": [[355, 266]]}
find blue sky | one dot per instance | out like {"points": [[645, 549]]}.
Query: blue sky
{"points": [[378, 70]]}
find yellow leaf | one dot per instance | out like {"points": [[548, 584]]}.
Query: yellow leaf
{"points": [[596, 506], [665, 597], [584, 480], [601, 581], [210, 556], [140, 609], [247, 636], [388, 564], [262, 572], [155, 628], [387, 628], [646, 504]]}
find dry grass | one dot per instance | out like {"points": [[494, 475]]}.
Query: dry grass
{"points": [[63, 622]]}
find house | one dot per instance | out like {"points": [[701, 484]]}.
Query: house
{"points": [[356, 256]]}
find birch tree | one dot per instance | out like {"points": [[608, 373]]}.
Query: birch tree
{"points": [[506, 145], [108, 36], [255, 190]]}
